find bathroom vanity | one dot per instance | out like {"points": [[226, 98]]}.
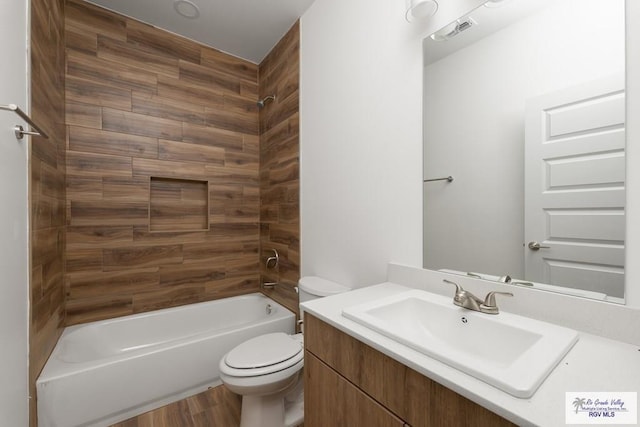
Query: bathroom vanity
{"points": [[350, 383], [357, 376]]}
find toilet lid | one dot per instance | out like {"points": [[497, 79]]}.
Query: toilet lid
{"points": [[263, 351]]}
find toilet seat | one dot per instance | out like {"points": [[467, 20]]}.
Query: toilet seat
{"points": [[263, 355]]}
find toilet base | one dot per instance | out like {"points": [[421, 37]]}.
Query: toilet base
{"points": [[284, 409], [294, 405], [270, 411], [262, 411], [294, 414]]}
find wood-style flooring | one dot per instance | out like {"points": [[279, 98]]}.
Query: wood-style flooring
{"points": [[216, 407]]}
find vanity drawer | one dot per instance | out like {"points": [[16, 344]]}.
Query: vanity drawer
{"points": [[406, 393]]}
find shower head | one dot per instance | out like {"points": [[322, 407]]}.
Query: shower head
{"points": [[261, 103]]}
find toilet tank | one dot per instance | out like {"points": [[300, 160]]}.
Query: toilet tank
{"points": [[312, 287]]}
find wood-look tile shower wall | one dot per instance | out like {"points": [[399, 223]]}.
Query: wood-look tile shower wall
{"points": [[46, 186], [279, 166], [142, 103]]}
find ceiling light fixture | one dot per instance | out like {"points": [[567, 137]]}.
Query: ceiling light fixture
{"points": [[420, 9], [186, 8]]}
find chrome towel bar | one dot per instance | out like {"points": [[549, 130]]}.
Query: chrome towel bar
{"points": [[446, 178], [19, 130]]}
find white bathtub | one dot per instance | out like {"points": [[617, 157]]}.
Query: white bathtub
{"points": [[107, 371]]}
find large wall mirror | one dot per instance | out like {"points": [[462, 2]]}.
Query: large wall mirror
{"points": [[524, 108]]}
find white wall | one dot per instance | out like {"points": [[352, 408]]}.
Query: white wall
{"points": [[360, 133], [474, 126], [14, 265], [360, 147]]}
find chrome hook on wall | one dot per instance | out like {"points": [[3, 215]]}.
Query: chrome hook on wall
{"points": [[272, 261]]}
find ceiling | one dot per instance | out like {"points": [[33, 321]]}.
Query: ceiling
{"points": [[248, 29]]}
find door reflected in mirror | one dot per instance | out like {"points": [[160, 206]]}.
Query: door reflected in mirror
{"points": [[524, 106]]}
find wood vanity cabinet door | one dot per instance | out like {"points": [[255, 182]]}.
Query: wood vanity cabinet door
{"points": [[334, 401], [420, 401]]}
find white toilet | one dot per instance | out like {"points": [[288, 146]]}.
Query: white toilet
{"points": [[267, 370]]}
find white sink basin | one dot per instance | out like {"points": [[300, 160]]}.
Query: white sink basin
{"points": [[510, 352]]}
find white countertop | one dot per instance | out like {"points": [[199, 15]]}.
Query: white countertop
{"points": [[594, 364]]}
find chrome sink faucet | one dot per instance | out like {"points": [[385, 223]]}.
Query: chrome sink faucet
{"points": [[466, 299]]}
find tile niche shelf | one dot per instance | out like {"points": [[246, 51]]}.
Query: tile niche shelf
{"points": [[178, 205]]}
